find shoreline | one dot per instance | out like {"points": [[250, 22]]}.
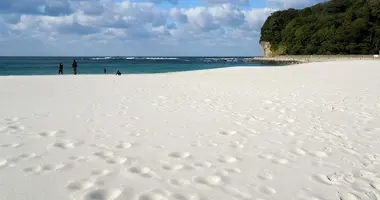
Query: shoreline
{"points": [[277, 61], [298, 59]]}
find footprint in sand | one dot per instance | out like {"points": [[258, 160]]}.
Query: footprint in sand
{"points": [[67, 144], [266, 156], [227, 172], [159, 147], [290, 120], [110, 157], [124, 145], [79, 185], [125, 125], [325, 164], [180, 155], [202, 164], [274, 159], [267, 190], [319, 154], [289, 133], [228, 159], [177, 196], [3, 129], [12, 119], [16, 127], [102, 194], [12, 161], [228, 133], [42, 115], [251, 132], [172, 167], [265, 176], [298, 151], [212, 180], [99, 172], [279, 160], [239, 123], [27, 156], [105, 154], [47, 168], [236, 145], [326, 179], [79, 158], [349, 151], [13, 129], [3, 163], [58, 133], [11, 145], [274, 141], [142, 171], [135, 134], [179, 182], [268, 102], [156, 194], [348, 196], [117, 160], [213, 144], [233, 170]]}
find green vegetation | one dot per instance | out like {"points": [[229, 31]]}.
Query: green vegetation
{"points": [[329, 28]]}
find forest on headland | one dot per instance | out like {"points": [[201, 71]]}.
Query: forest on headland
{"points": [[329, 28]]}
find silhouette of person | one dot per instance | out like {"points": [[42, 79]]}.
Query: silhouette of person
{"points": [[60, 69], [118, 73], [105, 70], [74, 65]]}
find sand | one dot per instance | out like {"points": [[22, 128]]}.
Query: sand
{"points": [[300, 132]]}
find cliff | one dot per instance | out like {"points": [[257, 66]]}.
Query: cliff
{"points": [[267, 52], [334, 27]]}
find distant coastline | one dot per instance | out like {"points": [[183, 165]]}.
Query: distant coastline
{"points": [[297, 59]]}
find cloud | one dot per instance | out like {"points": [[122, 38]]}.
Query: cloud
{"points": [[283, 4], [178, 15], [11, 18], [227, 15], [175, 2], [215, 2], [171, 26], [56, 7], [56, 23], [255, 18], [237, 2], [201, 19], [76, 28], [204, 19], [36, 7], [94, 7]]}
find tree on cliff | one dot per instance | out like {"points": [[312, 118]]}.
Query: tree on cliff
{"points": [[333, 27]]}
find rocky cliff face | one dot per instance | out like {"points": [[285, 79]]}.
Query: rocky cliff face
{"points": [[266, 48]]}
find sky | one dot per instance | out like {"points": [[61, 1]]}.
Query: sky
{"points": [[136, 27]]}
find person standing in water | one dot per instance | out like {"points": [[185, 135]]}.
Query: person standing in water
{"points": [[118, 73], [60, 69], [74, 65], [105, 71]]}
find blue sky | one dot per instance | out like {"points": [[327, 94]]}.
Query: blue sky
{"points": [[135, 27]]}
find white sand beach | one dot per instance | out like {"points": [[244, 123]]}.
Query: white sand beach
{"points": [[299, 132]]}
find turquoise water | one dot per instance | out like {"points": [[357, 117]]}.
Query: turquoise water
{"points": [[127, 65]]}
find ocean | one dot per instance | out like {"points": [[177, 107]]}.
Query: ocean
{"points": [[126, 65]]}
